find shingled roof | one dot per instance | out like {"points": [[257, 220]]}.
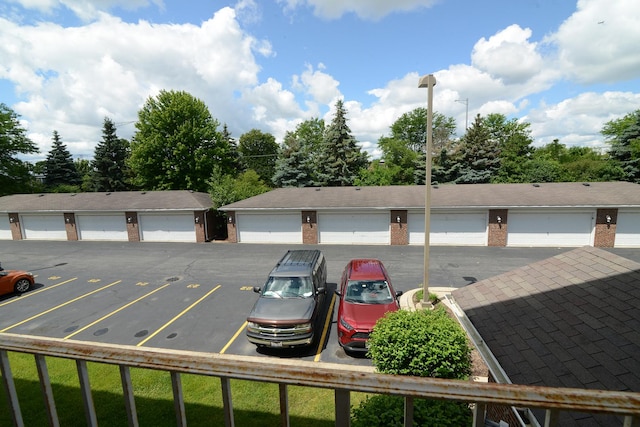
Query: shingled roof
{"points": [[572, 320], [117, 201], [564, 194]]}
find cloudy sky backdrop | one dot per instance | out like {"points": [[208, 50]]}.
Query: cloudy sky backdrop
{"points": [[565, 66]]}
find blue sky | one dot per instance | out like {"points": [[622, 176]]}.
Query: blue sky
{"points": [[565, 66]]}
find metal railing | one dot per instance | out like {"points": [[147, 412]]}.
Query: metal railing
{"points": [[340, 378]]}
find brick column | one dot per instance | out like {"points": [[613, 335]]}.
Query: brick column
{"points": [[133, 231], [605, 236], [497, 227], [70, 226], [399, 230], [198, 219], [14, 222], [309, 227], [232, 233]]}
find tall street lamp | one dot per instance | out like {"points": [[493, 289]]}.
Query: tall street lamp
{"points": [[429, 82]]}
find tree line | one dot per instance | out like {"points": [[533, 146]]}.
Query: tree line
{"points": [[179, 145]]}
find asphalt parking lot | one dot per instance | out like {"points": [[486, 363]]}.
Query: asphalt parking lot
{"points": [[196, 297]]}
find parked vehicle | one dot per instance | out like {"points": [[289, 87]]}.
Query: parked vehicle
{"points": [[17, 281], [290, 301], [366, 294]]}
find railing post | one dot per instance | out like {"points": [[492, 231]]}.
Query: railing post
{"points": [[408, 411], [342, 400], [227, 403], [631, 421], [129, 399], [47, 391], [178, 399], [479, 411], [284, 405], [551, 417], [85, 389], [10, 389]]}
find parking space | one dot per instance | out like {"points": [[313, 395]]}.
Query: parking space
{"points": [[197, 296]]}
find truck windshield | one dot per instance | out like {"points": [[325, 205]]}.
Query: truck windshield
{"points": [[288, 287]]}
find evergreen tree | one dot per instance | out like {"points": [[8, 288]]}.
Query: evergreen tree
{"points": [[478, 154], [297, 162], [59, 168], [234, 155], [110, 171], [342, 158], [14, 173], [624, 137]]}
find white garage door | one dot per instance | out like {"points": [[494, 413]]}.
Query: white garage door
{"points": [[269, 228], [43, 227], [102, 227], [628, 229], [561, 229], [5, 228], [354, 228], [167, 227], [448, 228]]}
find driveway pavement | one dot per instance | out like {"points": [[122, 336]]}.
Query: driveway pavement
{"points": [[197, 296]]}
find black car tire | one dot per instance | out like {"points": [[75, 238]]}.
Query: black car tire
{"points": [[22, 285]]}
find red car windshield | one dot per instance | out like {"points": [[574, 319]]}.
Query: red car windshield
{"points": [[368, 292]]}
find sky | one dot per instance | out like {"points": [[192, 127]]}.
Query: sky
{"points": [[564, 66]]}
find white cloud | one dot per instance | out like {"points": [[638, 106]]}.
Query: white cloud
{"points": [[85, 9], [508, 55], [579, 120], [599, 42], [365, 9]]}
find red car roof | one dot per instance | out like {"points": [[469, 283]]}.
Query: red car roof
{"points": [[367, 269]]}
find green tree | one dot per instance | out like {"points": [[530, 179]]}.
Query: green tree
{"points": [[59, 168], [513, 141], [83, 166], [176, 145], [110, 171], [225, 189], [259, 151], [297, 162], [478, 154], [341, 158], [623, 136], [14, 173]]}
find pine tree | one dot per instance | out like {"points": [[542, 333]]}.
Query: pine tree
{"points": [[479, 154], [59, 167], [342, 158], [625, 145], [292, 169], [109, 170]]}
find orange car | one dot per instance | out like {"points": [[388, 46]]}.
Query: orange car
{"points": [[17, 281]]}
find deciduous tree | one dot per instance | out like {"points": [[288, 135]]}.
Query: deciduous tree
{"points": [[177, 144], [14, 173], [259, 151]]}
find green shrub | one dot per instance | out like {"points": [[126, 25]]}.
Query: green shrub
{"points": [[425, 343], [388, 411]]}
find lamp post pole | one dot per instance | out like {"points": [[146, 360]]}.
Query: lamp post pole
{"points": [[429, 82]]}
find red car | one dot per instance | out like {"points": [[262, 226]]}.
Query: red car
{"points": [[366, 294], [17, 281]]}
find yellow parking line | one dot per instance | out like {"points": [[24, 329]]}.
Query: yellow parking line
{"points": [[27, 295], [114, 312], [177, 317], [325, 330], [59, 306], [233, 338]]}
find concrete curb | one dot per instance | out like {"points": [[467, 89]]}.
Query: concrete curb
{"points": [[406, 299]]}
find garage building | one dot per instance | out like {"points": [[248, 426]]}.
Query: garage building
{"points": [[150, 216], [602, 214]]}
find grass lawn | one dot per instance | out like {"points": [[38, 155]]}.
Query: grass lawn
{"points": [[254, 403]]}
